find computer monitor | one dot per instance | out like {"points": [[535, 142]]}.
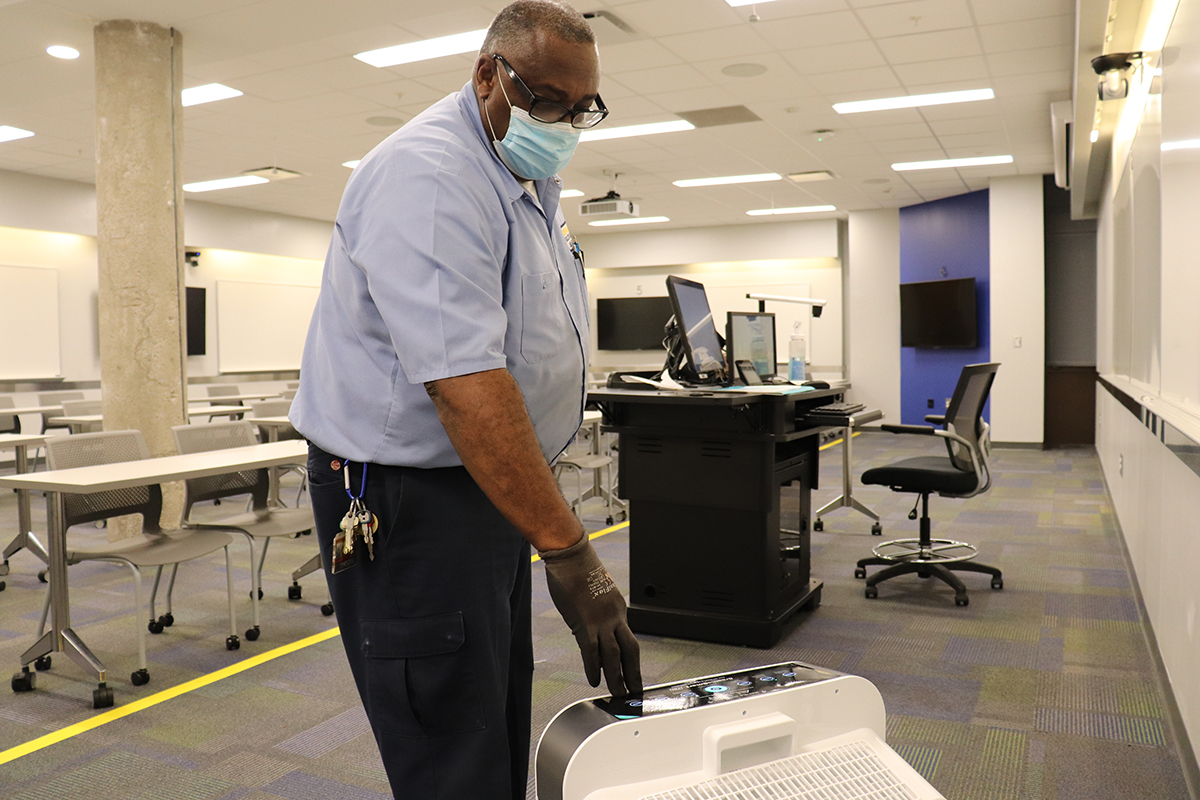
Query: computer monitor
{"points": [[705, 361], [751, 337]]}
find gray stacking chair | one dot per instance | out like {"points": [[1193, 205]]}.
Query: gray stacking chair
{"points": [[151, 548], [218, 390], [9, 423], [261, 522], [79, 408], [293, 384], [279, 408], [288, 394], [52, 399]]}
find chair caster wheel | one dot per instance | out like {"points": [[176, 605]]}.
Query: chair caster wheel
{"points": [[167, 620], [860, 572], [997, 583], [260, 594], [252, 634], [139, 678], [3, 586], [871, 592], [877, 529], [327, 609], [232, 643], [295, 591], [818, 525], [155, 626], [102, 696], [607, 521], [42, 576], [24, 681], [962, 601], [42, 663]]}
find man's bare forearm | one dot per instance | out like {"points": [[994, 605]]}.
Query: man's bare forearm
{"points": [[485, 417]]}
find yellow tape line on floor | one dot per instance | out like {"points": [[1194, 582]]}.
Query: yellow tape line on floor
{"points": [[836, 442], [595, 535], [41, 742], [115, 714]]}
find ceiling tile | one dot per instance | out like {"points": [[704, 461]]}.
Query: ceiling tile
{"points": [[989, 12], [834, 84], [930, 46], [741, 40], [917, 16], [1029, 34], [634, 56], [813, 31], [835, 57]]}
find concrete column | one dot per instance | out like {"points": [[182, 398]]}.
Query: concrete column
{"points": [[139, 209]]}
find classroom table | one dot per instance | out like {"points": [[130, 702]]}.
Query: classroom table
{"points": [[273, 426], [847, 499], [230, 398], [20, 442], [61, 638], [80, 421]]}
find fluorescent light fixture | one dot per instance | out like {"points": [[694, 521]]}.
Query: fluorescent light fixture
{"points": [[62, 51], [913, 101], [763, 212], [208, 93], [1095, 136], [596, 134], [951, 163], [736, 3], [571, 193], [453, 45], [1185, 144], [602, 223], [224, 183], [8, 133], [1158, 25], [765, 176], [352, 164], [809, 177]]}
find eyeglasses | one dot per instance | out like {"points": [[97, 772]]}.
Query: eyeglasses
{"points": [[550, 112]]}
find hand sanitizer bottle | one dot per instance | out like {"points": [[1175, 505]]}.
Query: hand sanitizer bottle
{"points": [[796, 354]]}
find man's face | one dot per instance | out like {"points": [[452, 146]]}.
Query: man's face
{"points": [[553, 69]]}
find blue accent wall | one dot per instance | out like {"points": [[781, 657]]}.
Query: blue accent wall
{"points": [[949, 234]]}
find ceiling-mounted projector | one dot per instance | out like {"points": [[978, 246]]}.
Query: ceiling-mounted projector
{"points": [[608, 207]]}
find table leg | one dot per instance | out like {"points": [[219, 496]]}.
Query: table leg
{"points": [[24, 538], [273, 482], [846, 499]]}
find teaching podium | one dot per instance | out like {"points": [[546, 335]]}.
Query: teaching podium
{"points": [[704, 473]]}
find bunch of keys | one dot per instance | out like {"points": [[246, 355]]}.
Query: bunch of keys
{"points": [[358, 522]]}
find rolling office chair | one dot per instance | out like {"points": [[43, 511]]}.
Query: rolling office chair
{"points": [[964, 473], [152, 547], [258, 524], [9, 423]]}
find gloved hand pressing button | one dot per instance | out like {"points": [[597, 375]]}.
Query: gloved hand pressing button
{"points": [[594, 609]]}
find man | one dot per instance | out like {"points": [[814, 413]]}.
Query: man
{"points": [[444, 371]]}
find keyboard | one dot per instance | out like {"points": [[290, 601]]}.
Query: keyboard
{"points": [[845, 772], [835, 410]]}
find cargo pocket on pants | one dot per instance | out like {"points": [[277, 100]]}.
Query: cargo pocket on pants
{"points": [[420, 680]]}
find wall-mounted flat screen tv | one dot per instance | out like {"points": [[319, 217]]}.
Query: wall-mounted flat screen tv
{"points": [[939, 314], [631, 323]]}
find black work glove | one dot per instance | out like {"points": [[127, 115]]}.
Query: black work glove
{"points": [[593, 608]]}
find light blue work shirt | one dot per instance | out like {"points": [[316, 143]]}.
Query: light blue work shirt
{"points": [[441, 264]]}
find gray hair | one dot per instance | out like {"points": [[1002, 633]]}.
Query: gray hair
{"points": [[514, 27]]}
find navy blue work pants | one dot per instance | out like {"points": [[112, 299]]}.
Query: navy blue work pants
{"points": [[436, 628]]}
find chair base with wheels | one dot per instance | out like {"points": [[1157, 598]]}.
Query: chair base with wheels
{"points": [[927, 558]]}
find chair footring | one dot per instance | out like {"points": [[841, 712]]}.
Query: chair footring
{"points": [[932, 551]]}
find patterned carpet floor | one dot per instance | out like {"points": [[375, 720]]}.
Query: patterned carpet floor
{"points": [[1043, 691]]}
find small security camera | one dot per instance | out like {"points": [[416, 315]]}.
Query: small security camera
{"points": [[1110, 67], [192, 258]]}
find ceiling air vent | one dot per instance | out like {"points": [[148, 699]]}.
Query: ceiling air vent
{"points": [[273, 173], [726, 115], [609, 28]]}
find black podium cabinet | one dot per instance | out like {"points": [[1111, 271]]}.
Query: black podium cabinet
{"points": [[704, 474]]}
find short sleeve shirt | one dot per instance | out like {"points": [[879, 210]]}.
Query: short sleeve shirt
{"points": [[441, 264]]}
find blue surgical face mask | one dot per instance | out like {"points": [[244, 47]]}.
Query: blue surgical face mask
{"points": [[531, 149]]}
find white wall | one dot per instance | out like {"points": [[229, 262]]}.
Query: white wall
{"points": [[759, 242], [873, 310], [52, 223], [1018, 308]]}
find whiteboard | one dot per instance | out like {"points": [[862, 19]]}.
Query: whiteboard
{"points": [[261, 326], [29, 323]]}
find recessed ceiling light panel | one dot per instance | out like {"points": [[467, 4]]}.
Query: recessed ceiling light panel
{"points": [[207, 94], [604, 223], [452, 45], [763, 212], [571, 193], [352, 164], [736, 3], [224, 183], [766, 176], [952, 163], [913, 101], [8, 133], [598, 134], [810, 177], [63, 52], [745, 70]]}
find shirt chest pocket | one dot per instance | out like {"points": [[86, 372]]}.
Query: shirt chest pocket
{"points": [[543, 317]]}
